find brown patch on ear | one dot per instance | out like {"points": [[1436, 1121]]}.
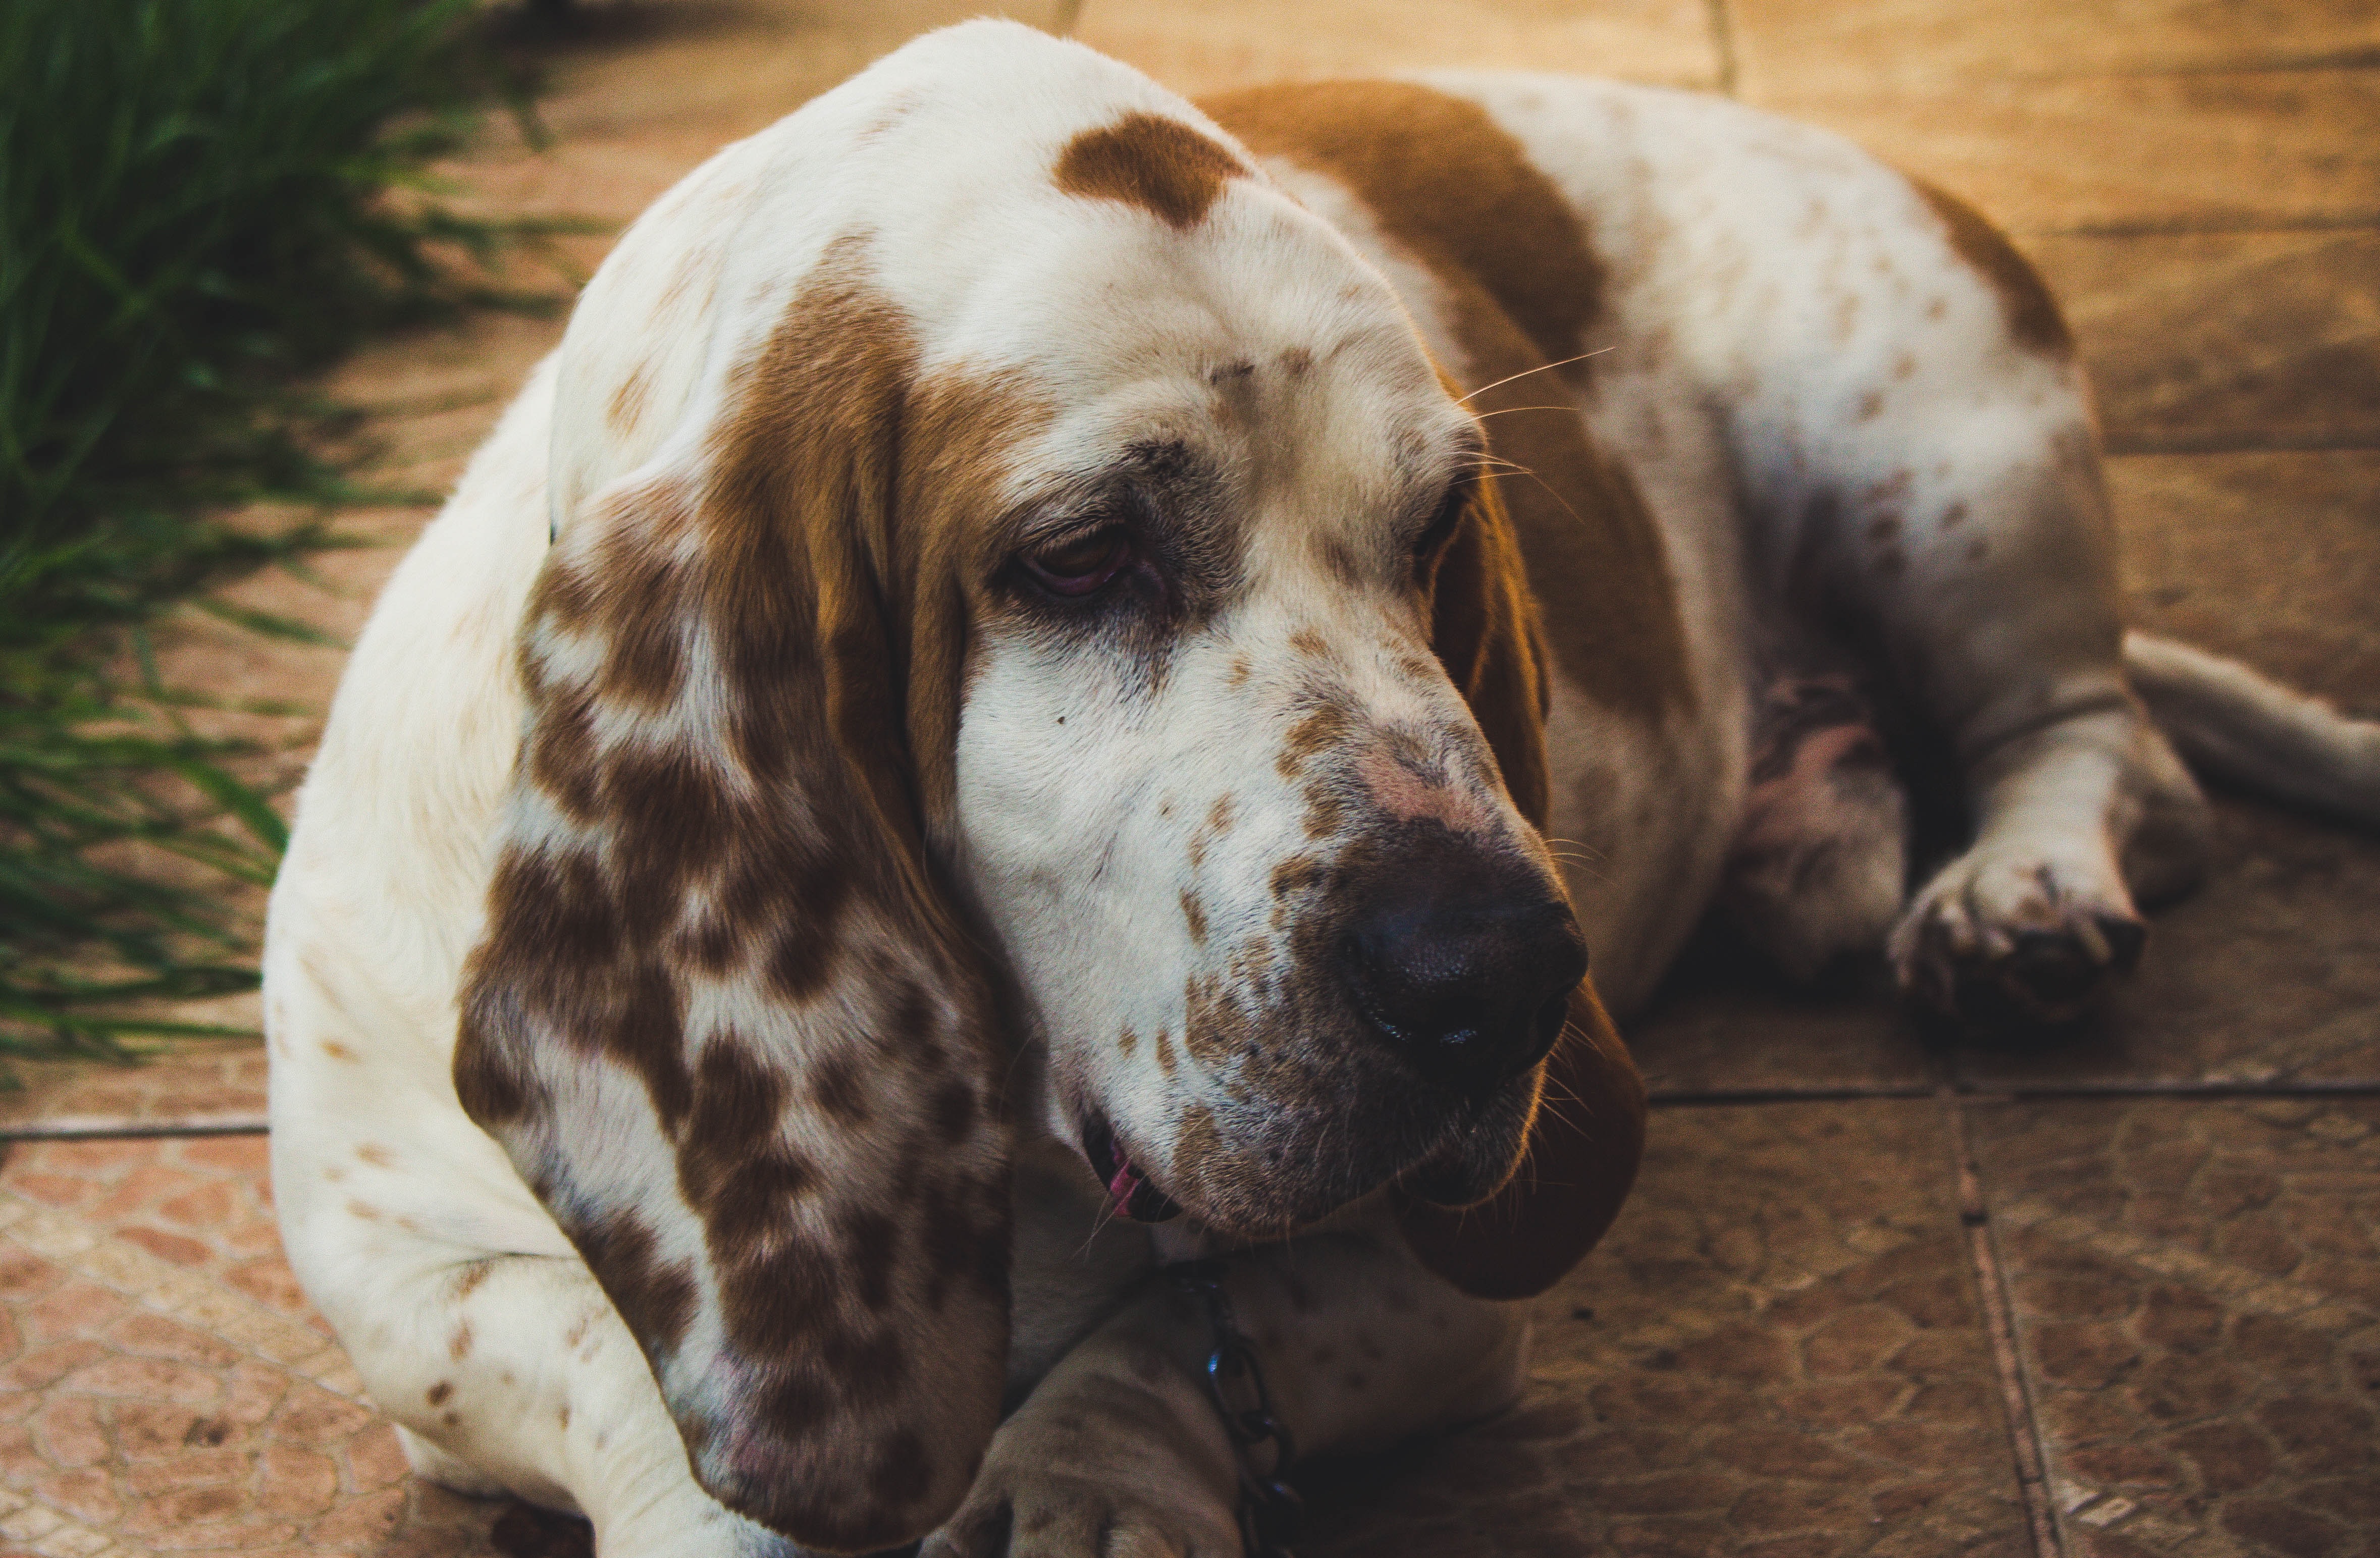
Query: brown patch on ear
{"points": [[1161, 165], [821, 1205], [2032, 317], [1447, 184], [1484, 628], [1584, 1148]]}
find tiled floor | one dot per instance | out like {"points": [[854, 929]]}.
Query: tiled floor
{"points": [[1878, 1292]]}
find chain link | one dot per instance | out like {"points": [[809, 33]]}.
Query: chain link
{"points": [[1270, 1507]]}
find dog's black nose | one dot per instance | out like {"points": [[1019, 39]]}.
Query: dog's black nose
{"points": [[1465, 966]]}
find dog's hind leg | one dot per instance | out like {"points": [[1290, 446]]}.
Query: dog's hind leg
{"points": [[1952, 516], [1818, 867], [1982, 561]]}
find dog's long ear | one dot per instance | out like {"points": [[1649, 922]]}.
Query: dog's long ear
{"points": [[722, 1018], [1589, 1129]]}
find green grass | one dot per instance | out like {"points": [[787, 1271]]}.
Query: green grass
{"points": [[201, 201]]}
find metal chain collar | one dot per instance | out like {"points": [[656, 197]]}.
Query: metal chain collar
{"points": [[1268, 1506]]}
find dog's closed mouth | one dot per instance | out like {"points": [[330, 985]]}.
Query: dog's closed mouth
{"points": [[1129, 1190]]}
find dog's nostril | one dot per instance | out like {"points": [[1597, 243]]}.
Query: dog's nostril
{"points": [[1473, 993]]}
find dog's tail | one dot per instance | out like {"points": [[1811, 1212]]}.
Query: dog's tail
{"points": [[2245, 727]]}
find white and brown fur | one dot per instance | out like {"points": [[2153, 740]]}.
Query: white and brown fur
{"points": [[798, 884]]}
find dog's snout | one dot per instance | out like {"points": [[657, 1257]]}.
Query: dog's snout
{"points": [[1465, 966]]}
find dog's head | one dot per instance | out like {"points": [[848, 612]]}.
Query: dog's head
{"points": [[1030, 641]]}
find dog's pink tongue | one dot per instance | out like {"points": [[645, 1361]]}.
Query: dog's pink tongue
{"points": [[1121, 1187]]}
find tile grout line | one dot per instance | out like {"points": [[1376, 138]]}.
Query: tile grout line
{"points": [[1851, 1093], [97, 1127], [1722, 29], [2016, 1401], [2215, 223]]}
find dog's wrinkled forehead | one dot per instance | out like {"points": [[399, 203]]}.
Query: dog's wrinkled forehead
{"points": [[1026, 209], [1103, 239]]}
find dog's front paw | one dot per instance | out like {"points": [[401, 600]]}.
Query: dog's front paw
{"points": [[2001, 936], [1103, 1469]]}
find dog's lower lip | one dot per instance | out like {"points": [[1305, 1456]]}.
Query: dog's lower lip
{"points": [[1129, 1190]]}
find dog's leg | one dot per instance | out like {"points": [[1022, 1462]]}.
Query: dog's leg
{"points": [[512, 1372], [1818, 864], [1119, 1451], [1984, 560]]}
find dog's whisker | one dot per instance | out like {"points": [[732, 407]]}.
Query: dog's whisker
{"points": [[1541, 367]]}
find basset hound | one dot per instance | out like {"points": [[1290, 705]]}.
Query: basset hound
{"points": [[1053, 681]]}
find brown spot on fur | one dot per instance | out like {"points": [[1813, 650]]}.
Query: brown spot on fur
{"points": [[1239, 673], [1218, 815], [1293, 877], [358, 1209], [458, 1345], [1321, 731], [1884, 527], [1455, 190], [2031, 313], [627, 405], [436, 1394], [1127, 1041], [1165, 1061], [1871, 405], [1195, 916], [835, 1084], [1307, 642], [337, 1051], [375, 1155], [1161, 165], [657, 1301], [468, 1277]]}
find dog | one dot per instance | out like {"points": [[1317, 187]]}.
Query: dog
{"points": [[1052, 683]]}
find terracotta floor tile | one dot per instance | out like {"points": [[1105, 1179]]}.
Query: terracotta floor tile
{"points": [[1783, 43], [2275, 558], [157, 1435], [1778, 1349], [1235, 42], [2226, 340], [139, 1191], [2211, 148], [2196, 1288]]}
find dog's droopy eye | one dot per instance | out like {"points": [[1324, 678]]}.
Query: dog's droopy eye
{"points": [[1080, 565], [1443, 524]]}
